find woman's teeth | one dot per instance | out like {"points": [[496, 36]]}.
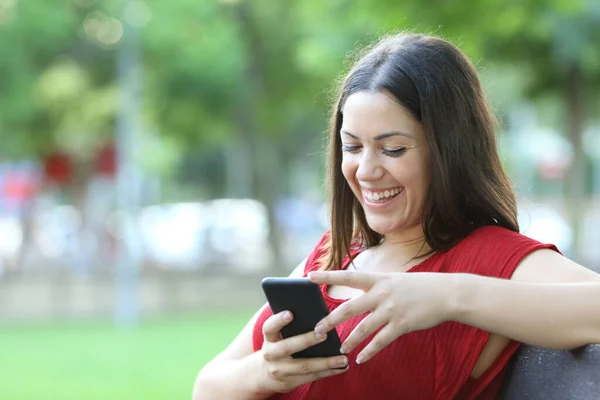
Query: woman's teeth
{"points": [[381, 197]]}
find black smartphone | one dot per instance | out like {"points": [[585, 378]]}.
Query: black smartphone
{"points": [[305, 301]]}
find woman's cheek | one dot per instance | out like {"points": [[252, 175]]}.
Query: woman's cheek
{"points": [[348, 169]]}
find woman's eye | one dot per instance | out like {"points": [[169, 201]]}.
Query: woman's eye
{"points": [[350, 149], [394, 152]]}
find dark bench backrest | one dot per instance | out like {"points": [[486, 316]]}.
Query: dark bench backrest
{"points": [[535, 373]]}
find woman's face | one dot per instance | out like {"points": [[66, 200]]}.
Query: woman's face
{"points": [[385, 162]]}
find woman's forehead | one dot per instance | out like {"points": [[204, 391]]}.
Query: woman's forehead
{"points": [[377, 113]]}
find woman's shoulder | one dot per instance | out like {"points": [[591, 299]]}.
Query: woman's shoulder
{"points": [[493, 235], [493, 231], [315, 258], [492, 251]]}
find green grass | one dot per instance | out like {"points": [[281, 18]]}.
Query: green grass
{"points": [[158, 360]]}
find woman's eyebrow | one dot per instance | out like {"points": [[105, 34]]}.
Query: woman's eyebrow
{"points": [[383, 135]]}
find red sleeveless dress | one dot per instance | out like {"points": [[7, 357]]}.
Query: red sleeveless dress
{"points": [[434, 363]]}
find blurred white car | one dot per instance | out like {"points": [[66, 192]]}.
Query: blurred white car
{"points": [[173, 235], [222, 233], [11, 234], [238, 234]]}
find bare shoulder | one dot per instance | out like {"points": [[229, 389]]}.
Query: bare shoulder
{"points": [[546, 265]]}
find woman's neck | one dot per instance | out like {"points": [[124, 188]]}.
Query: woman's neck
{"points": [[406, 247]]}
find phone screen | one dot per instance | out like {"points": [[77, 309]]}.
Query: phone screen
{"points": [[304, 300]]}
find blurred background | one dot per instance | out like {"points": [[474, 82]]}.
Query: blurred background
{"points": [[158, 158]]}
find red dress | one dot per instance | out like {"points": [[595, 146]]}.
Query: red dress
{"points": [[434, 363]]}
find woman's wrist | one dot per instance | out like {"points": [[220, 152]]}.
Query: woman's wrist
{"points": [[233, 379], [261, 388], [461, 295]]}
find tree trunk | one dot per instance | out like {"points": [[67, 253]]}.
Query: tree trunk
{"points": [[576, 177], [271, 175], [267, 177], [239, 158]]}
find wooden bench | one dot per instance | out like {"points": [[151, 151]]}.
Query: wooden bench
{"points": [[541, 374]]}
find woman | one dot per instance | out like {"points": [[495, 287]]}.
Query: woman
{"points": [[436, 284]]}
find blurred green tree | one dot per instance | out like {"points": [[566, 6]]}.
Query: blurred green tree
{"points": [[252, 81]]}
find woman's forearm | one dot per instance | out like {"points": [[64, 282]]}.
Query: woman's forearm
{"points": [[231, 379], [551, 315]]}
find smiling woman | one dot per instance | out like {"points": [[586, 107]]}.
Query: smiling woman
{"points": [[444, 288], [427, 94]]}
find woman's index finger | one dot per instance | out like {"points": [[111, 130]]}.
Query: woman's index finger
{"points": [[354, 279]]}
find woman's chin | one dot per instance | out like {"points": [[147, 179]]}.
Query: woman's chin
{"points": [[383, 228]]}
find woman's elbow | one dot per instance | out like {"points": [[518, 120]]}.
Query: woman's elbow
{"points": [[201, 385]]}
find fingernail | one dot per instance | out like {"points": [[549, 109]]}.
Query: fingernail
{"points": [[319, 328], [360, 359], [320, 336], [345, 347], [342, 362], [287, 315]]}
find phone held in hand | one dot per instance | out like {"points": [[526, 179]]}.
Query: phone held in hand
{"points": [[304, 300]]}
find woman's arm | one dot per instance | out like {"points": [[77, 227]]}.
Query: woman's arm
{"points": [[557, 308], [549, 302], [237, 363], [240, 373]]}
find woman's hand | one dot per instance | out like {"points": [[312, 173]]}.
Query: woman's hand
{"points": [[398, 303], [282, 372]]}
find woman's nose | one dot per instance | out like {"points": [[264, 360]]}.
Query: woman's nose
{"points": [[369, 168]]}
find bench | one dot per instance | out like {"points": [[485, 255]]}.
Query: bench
{"points": [[541, 374]]}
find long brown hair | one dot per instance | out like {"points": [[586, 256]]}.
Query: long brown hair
{"points": [[438, 85]]}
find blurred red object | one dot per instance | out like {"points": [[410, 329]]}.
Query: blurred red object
{"points": [[58, 167], [19, 186], [106, 164]]}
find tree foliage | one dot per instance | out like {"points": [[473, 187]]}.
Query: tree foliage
{"points": [[220, 73]]}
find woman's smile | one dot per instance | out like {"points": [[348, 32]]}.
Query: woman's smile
{"points": [[376, 198]]}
